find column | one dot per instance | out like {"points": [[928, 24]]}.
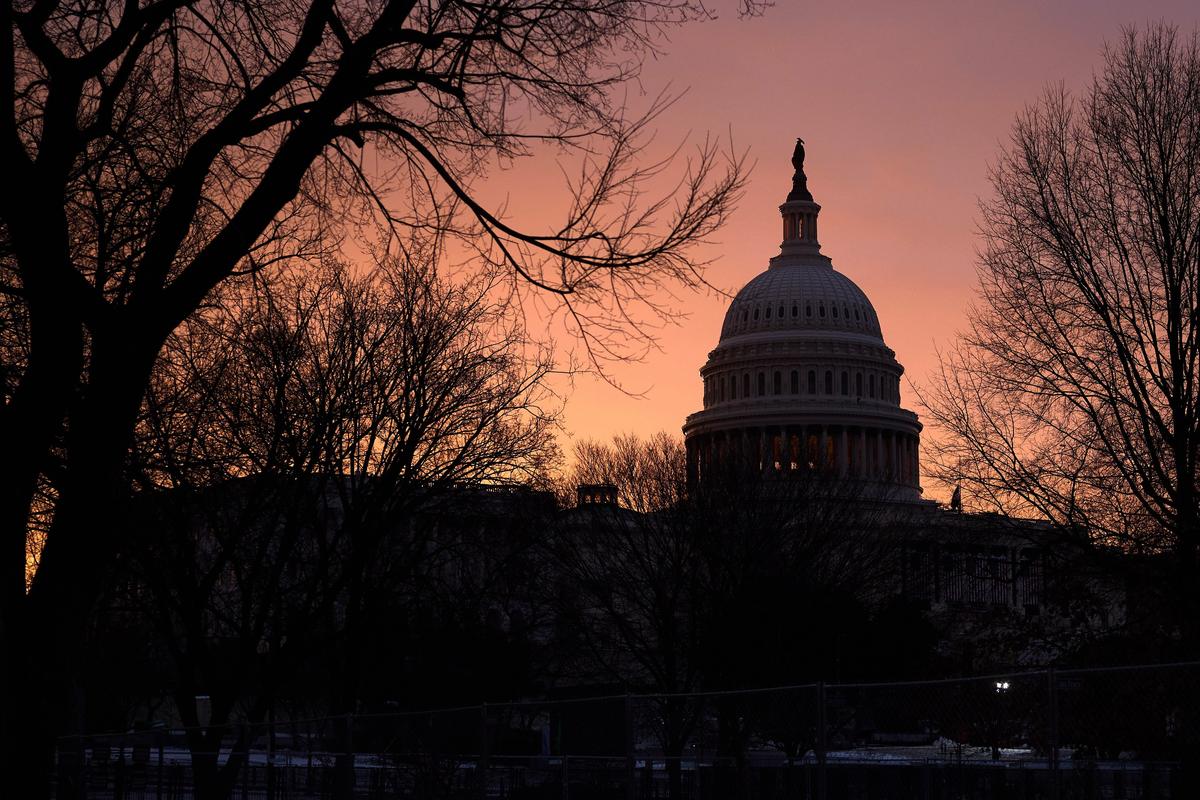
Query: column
{"points": [[883, 465], [823, 449], [872, 455], [862, 452], [843, 452], [916, 461]]}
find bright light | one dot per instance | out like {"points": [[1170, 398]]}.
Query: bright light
{"points": [[1001, 686]]}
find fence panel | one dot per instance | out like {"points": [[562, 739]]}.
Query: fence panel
{"points": [[1060, 734]]}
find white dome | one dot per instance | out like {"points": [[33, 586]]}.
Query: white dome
{"points": [[801, 379], [800, 297]]}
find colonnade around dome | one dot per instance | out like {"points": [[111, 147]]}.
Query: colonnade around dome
{"points": [[722, 385], [800, 450]]}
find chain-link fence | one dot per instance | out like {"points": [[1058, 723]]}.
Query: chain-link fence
{"points": [[1131, 732]]}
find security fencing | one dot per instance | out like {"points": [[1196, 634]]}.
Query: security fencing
{"points": [[1127, 732]]}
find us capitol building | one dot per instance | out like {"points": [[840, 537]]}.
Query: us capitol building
{"points": [[801, 378], [802, 390], [802, 400]]}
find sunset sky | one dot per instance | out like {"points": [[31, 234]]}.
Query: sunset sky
{"points": [[902, 107]]}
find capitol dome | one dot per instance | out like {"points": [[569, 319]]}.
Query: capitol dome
{"points": [[801, 300], [801, 381]]}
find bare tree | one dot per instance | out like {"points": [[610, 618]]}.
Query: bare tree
{"points": [[164, 146], [680, 590], [630, 581], [290, 437], [1074, 395]]}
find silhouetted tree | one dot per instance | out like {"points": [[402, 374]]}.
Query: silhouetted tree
{"points": [[747, 580], [161, 147], [630, 581], [290, 438], [1075, 393]]}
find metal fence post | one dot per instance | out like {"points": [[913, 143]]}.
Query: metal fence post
{"points": [[1052, 732], [119, 775], [822, 741], [247, 773], [630, 764], [482, 766], [159, 790], [272, 778], [350, 779]]}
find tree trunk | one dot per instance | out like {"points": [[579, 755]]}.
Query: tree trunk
{"points": [[29, 425], [79, 552], [1187, 567]]}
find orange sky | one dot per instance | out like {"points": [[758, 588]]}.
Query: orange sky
{"points": [[902, 106]]}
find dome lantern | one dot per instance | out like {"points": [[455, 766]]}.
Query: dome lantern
{"points": [[799, 211]]}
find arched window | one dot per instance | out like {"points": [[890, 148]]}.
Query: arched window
{"points": [[756, 313], [828, 381], [781, 312], [746, 385], [845, 383], [812, 381], [733, 387], [768, 312], [835, 312], [778, 383], [808, 310], [795, 382], [821, 309], [795, 310], [858, 385], [856, 317], [762, 383]]}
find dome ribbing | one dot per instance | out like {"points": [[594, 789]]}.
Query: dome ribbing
{"points": [[800, 298], [801, 379]]}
